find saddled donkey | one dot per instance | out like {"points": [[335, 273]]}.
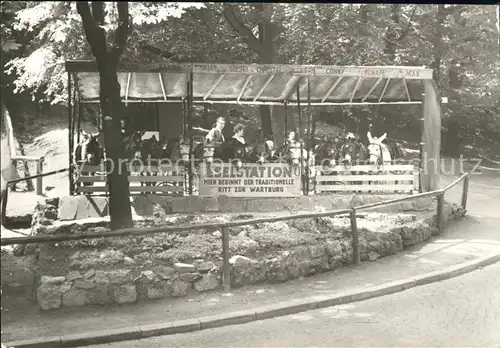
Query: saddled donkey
{"points": [[385, 153], [87, 152], [326, 156], [295, 154], [353, 152]]}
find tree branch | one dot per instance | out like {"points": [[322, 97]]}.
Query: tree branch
{"points": [[122, 32], [242, 30], [94, 34], [406, 30]]}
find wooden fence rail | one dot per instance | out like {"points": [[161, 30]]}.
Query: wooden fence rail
{"points": [[224, 226]]}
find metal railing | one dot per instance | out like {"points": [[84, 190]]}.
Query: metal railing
{"points": [[224, 226], [38, 178]]}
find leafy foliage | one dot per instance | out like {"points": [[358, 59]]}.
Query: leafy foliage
{"points": [[60, 36]]}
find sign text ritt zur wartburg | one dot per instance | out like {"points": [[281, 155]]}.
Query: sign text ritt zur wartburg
{"points": [[251, 180]]}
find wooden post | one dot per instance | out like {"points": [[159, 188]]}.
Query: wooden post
{"points": [[301, 137], [440, 212], [70, 138], [190, 129], [416, 178], [286, 120], [465, 191], [313, 142], [355, 238], [39, 180], [226, 278], [309, 133]]}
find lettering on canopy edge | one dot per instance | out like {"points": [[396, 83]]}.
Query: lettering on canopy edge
{"points": [[311, 70], [252, 180]]}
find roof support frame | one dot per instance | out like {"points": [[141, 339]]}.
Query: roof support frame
{"points": [[245, 85], [372, 88], [128, 86], [383, 91], [291, 91], [269, 79], [214, 86], [163, 89], [406, 89], [335, 84], [356, 86]]}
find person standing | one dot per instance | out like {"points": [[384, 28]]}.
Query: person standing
{"points": [[215, 136], [235, 148]]}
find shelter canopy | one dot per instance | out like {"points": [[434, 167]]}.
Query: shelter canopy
{"points": [[257, 84]]}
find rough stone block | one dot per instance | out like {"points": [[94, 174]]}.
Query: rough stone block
{"points": [[100, 294], [180, 288], [84, 284], [164, 272], [158, 290], [190, 277], [204, 266], [74, 275], [125, 294], [49, 296], [207, 282], [46, 280], [184, 267], [68, 207], [74, 297], [120, 276]]}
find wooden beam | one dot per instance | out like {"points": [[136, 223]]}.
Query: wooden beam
{"points": [[383, 91], [290, 102], [219, 79], [407, 90], [247, 81], [162, 87], [129, 75], [356, 86], [325, 97], [372, 88], [263, 87]]}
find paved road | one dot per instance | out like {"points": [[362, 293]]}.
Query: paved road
{"points": [[463, 311]]}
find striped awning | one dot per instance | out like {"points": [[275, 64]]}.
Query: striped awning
{"points": [[258, 84]]}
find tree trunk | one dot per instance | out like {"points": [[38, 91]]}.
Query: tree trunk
{"points": [[266, 56], [438, 44], [392, 33], [117, 179], [112, 108]]}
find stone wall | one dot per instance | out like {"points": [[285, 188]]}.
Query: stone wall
{"points": [[125, 270], [82, 207]]}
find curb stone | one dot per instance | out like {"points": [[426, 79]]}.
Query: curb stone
{"points": [[266, 312]]}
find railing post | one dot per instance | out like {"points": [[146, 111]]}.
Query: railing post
{"points": [[355, 238], [39, 180], [226, 267], [440, 212], [465, 191]]}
